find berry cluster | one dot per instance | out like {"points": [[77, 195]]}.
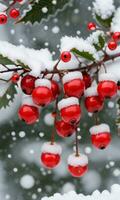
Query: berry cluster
{"points": [[10, 11], [76, 85], [72, 87], [115, 37]]}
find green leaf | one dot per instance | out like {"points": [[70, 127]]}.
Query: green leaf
{"points": [[5, 61], [104, 22], [83, 54], [100, 44], [8, 96], [36, 14], [22, 65]]}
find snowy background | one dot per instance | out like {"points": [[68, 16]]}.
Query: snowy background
{"points": [[21, 175]]}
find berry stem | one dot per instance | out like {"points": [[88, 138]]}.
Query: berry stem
{"points": [[77, 143], [96, 118]]}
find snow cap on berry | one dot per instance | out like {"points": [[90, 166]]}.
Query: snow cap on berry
{"points": [[43, 82], [51, 148], [71, 76], [68, 102], [27, 100], [99, 129], [91, 91], [74, 160], [2, 8], [107, 77]]}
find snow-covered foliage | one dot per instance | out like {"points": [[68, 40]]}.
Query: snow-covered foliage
{"points": [[115, 25], [104, 9], [96, 195]]}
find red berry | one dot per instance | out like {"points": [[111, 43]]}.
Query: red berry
{"points": [[112, 45], [3, 19], [73, 84], [91, 26], [87, 79], [116, 36], [19, 1], [94, 103], [42, 95], [100, 136], [77, 165], [65, 56], [50, 156], [64, 129], [107, 89], [15, 78], [28, 113], [14, 13], [55, 89], [28, 84], [70, 110]]}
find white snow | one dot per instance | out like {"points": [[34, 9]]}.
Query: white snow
{"points": [[91, 91], [101, 128], [104, 8], [115, 25], [43, 83], [27, 181], [94, 37], [68, 43], [49, 148], [107, 77], [49, 119], [74, 160], [96, 195], [3, 7], [71, 76], [67, 102], [27, 100]]}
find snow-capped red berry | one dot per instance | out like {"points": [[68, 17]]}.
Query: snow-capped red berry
{"points": [[28, 84], [15, 78], [28, 111], [3, 18], [100, 136], [77, 165], [116, 36], [107, 86], [73, 84], [14, 13], [70, 110], [91, 26], [93, 102], [87, 79], [55, 89], [64, 129], [112, 45], [42, 94], [51, 155], [65, 56]]}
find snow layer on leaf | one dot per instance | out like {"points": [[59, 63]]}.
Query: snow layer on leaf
{"points": [[37, 60], [67, 102], [49, 148], [74, 160], [104, 8], [94, 37], [115, 25], [96, 195], [100, 129], [68, 43]]}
